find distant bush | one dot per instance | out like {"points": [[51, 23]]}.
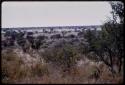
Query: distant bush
{"points": [[71, 36], [8, 33], [42, 37], [30, 39], [29, 33], [8, 42], [56, 36], [36, 42], [80, 34]]}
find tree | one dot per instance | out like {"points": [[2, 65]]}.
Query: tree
{"points": [[114, 31], [108, 45], [117, 30]]}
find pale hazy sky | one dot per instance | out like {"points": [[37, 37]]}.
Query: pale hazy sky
{"points": [[36, 14]]}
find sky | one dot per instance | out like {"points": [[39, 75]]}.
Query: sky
{"points": [[44, 14]]}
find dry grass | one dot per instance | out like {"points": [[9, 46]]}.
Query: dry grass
{"points": [[14, 70]]}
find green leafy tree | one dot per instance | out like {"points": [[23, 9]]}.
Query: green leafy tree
{"points": [[108, 45]]}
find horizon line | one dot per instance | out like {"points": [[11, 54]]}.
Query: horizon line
{"points": [[52, 26]]}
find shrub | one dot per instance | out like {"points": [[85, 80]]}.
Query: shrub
{"points": [[29, 33], [56, 36], [71, 36], [65, 56], [40, 38], [80, 34]]}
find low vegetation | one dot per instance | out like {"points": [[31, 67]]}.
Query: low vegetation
{"points": [[14, 69]]}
